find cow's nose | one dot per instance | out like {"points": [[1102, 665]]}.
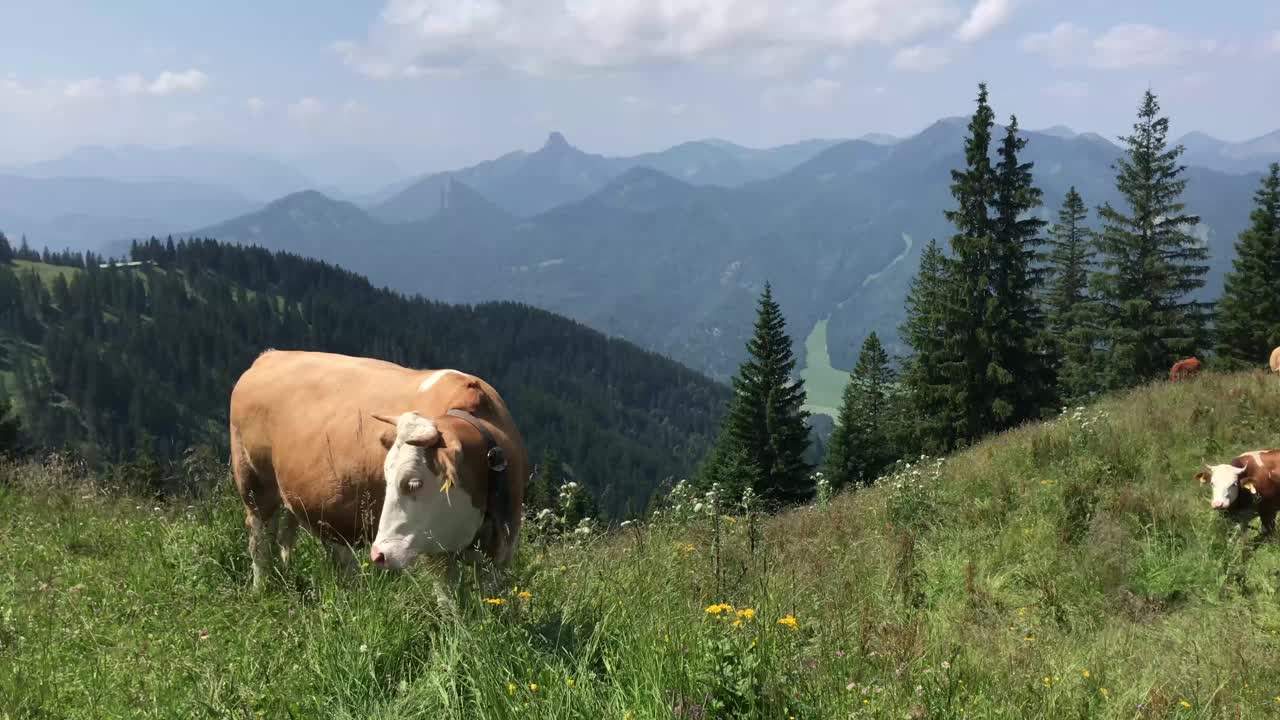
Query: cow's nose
{"points": [[1218, 504], [377, 557]]}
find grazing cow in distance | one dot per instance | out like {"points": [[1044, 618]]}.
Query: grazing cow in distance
{"points": [[1184, 369], [1246, 486], [361, 451], [1275, 360]]}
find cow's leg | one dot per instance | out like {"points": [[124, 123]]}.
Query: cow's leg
{"points": [[261, 498], [287, 536], [1268, 518], [259, 545]]}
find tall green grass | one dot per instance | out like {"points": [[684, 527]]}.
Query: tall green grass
{"points": [[1069, 569]]}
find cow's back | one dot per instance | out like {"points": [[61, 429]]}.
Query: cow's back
{"points": [[303, 422]]}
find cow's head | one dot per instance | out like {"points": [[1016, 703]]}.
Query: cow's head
{"points": [[425, 509], [1225, 481]]}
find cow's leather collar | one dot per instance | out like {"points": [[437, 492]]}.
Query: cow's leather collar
{"points": [[497, 462], [496, 458]]}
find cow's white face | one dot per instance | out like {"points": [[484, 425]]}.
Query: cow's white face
{"points": [[418, 516], [1224, 480]]}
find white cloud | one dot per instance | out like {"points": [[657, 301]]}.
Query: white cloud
{"points": [[172, 83], [920, 58], [817, 94], [414, 37], [135, 84], [1136, 45], [1065, 43], [986, 15], [256, 106], [1130, 45]]}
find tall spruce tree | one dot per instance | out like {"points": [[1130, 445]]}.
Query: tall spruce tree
{"points": [[1149, 260], [967, 352], [860, 446], [1248, 315], [1021, 374], [765, 425], [1070, 312], [926, 375]]}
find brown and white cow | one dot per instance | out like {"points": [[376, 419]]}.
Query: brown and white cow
{"points": [[1275, 360], [361, 451], [1246, 486], [1184, 369]]}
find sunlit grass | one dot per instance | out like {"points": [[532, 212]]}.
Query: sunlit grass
{"points": [[1069, 569]]}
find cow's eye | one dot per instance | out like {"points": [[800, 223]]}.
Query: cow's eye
{"points": [[412, 484]]}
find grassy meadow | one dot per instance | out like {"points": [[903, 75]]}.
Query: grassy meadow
{"points": [[1070, 569]]}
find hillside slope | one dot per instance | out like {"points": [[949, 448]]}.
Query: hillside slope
{"points": [[116, 360], [1066, 569]]}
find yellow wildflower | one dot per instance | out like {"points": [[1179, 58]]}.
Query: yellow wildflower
{"points": [[1184, 703], [737, 623], [719, 608], [511, 688], [789, 621], [628, 715], [1105, 692], [494, 601], [746, 613], [569, 682], [1029, 638], [1047, 682], [524, 595], [1085, 673], [533, 687]]}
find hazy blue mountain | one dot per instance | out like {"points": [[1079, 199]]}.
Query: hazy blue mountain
{"points": [[258, 177], [676, 266], [526, 184], [354, 173], [879, 138], [1235, 157], [84, 212], [1061, 131]]}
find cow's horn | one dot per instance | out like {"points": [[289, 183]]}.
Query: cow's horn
{"points": [[383, 418]]}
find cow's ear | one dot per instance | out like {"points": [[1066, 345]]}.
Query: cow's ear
{"points": [[387, 438], [1202, 476], [422, 434], [1248, 485]]}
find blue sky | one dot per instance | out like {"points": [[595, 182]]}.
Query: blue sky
{"points": [[436, 83]]}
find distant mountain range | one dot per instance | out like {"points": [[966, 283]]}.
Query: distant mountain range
{"points": [[670, 249], [676, 266]]}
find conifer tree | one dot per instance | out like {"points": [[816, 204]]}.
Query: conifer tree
{"points": [[6, 250], [765, 422], [1248, 315], [1149, 260], [542, 487], [1021, 372], [926, 372], [860, 447], [1067, 300]]}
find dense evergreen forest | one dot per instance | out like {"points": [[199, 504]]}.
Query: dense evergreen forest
{"points": [[115, 361]]}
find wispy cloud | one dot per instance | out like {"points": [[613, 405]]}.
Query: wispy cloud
{"points": [[986, 15], [415, 37], [135, 84], [920, 58], [1125, 46]]}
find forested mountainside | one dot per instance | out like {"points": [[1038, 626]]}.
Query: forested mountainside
{"points": [[675, 266], [109, 361]]}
